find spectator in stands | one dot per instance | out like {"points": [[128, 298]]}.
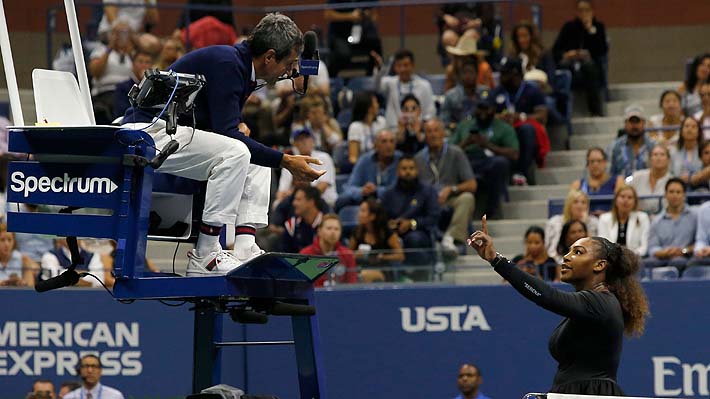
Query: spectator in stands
{"points": [[535, 259], [652, 181], [373, 173], [413, 210], [194, 14], [701, 249], [466, 51], [469, 382], [16, 269], [136, 17], [301, 227], [394, 88], [109, 259], [303, 144], [366, 122], [456, 21], [57, 260], [148, 43], [352, 34], [690, 89], [703, 116], [598, 181], [172, 50], [327, 242], [629, 152], [207, 31], [572, 231], [445, 167], [686, 159], [66, 387], [670, 119], [581, 46], [109, 66], [527, 46], [700, 181], [521, 104], [142, 61], [44, 387], [576, 207], [410, 126], [34, 245], [672, 232], [317, 119], [90, 373], [491, 146], [460, 101], [625, 224], [375, 244]]}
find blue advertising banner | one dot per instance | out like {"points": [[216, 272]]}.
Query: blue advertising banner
{"points": [[376, 343], [92, 185]]}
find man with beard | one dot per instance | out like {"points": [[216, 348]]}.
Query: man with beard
{"points": [[412, 209], [630, 152], [491, 146]]}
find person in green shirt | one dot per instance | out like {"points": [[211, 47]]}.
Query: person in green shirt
{"points": [[492, 148]]}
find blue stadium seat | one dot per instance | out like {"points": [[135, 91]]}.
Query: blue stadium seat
{"points": [[336, 84], [344, 117], [348, 218], [563, 98], [696, 273], [340, 180], [362, 83], [437, 83], [664, 273]]}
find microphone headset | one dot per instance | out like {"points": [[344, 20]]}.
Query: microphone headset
{"points": [[310, 53]]}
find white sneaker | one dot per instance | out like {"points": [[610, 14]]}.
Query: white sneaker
{"points": [[244, 255], [217, 263], [519, 180], [447, 243]]}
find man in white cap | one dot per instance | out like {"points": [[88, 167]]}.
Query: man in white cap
{"points": [[629, 152]]}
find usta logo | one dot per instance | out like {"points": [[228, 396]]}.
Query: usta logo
{"points": [[60, 184], [444, 318]]}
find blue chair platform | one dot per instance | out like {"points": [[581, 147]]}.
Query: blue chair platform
{"points": [[95, 167]]}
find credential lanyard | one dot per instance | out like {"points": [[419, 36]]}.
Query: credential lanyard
{"points": [[101, 388]]}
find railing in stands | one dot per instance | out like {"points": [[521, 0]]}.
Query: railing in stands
{"points": [[535, 11], [555, 205]]}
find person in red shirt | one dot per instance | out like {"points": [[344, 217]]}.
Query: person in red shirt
{"points": [[327, 242]]}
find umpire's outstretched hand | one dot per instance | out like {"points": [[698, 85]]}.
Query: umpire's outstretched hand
{"points": [[300, 168]]}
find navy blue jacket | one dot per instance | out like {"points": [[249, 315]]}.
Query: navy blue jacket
{"points": [[422, 205], [219, 104]]}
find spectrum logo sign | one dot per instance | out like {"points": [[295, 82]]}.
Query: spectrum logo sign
{"points": [[60, 184]]}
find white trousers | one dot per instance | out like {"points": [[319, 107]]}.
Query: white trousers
{"points": [[237, 192]]}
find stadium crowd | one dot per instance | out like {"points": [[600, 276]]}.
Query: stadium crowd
{"points": [[411, 158]]}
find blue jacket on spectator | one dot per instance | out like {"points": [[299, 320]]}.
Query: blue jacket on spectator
{"points": [[421, 205], [367, 170]]}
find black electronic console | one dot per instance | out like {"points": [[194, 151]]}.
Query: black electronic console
{"points": [[168, 94]]}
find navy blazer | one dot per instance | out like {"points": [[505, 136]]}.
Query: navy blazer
{"points": [[219, 104]]}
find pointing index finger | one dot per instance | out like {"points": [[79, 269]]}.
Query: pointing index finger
{"points": [[484, 225]]}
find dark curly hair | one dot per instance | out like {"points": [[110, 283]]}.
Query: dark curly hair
{"points": [[621, 278]]}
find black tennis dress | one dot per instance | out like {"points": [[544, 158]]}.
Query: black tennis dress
{"points": [[587, 343]]}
